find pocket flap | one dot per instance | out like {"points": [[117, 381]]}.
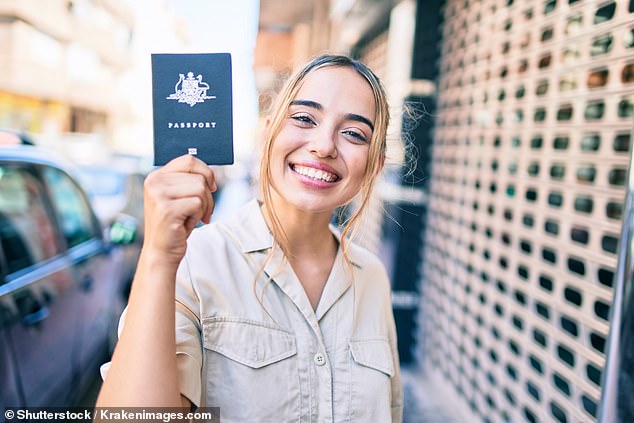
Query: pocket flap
{"points": [[373, 353], [253, 344]]}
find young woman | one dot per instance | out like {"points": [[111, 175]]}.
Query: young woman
{"points": [[278, 317]]}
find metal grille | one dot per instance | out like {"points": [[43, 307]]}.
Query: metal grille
{"points": [[532, 140]]}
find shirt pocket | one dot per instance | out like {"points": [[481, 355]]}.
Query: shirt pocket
{"points": [[371, 388], [244, 360], [374, 354]]}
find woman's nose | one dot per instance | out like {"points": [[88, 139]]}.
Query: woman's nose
{"points": [[324, 143]]}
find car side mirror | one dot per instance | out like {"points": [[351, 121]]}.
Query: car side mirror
{"points": [[124, 230]]}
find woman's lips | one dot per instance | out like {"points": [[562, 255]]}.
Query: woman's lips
{"points": [[317, 172]]}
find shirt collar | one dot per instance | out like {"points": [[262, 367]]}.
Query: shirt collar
{"points": [[253, 234]]}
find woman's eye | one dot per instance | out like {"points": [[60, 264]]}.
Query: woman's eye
{"points": [[303, 119], [357, 136]]}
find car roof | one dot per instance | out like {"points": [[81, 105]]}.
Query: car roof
{"points": [[36, 155]]}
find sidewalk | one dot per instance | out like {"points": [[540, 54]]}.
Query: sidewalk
{"points": [[421, 402]]}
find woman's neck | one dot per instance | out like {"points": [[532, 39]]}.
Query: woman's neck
{"points": [[310, 247], [307, 233]]}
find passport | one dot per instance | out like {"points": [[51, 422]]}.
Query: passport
{"points": [[192, 107]]}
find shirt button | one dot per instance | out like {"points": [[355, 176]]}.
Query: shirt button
{"points": [[319, 359]]}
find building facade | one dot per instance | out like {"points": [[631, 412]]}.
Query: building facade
{"points": [[532, 145], [60, 60]]}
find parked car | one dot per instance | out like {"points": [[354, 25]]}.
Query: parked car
{"points": [[117, 198], [60, 282]]}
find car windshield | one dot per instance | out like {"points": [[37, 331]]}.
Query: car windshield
{"points": [[102, 182]]}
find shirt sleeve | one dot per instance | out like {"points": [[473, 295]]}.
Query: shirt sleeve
{"points": [[188, 337], [397, 387], [189, 355]]}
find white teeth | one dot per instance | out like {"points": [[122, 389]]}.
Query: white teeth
{"points": [[313, 173]]}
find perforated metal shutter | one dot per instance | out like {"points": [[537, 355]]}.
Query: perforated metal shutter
{"points": [[532, 140]]}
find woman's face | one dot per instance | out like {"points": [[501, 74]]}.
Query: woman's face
{"points": [[319, 157]]}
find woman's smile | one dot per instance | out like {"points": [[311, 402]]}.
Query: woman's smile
{"points": [[315, 174]]}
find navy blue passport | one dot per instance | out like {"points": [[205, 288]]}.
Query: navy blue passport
{"points": [[192, 105]]}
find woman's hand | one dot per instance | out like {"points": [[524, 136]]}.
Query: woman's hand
{"points": [[177, 196]]}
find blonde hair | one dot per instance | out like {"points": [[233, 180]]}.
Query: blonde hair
{"points": [[376, 156]]}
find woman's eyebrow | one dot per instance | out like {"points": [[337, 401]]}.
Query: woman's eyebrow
{"points": [[308, 103], [318, 106], [359, 118]]}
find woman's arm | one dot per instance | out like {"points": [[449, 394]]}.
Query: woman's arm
{"points": [[143, 370]]}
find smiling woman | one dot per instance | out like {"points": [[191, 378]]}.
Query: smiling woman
{"points": [[275, 296]]}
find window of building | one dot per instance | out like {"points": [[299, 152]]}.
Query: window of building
{"points": [[590, 141], [584, 204], [616, 177], [520, 91], [579, 234], [626, 107], [542, 87], [546, 282], [551, 226], [573, 296], [549, 6], [562, 384], [577, 266], [586, 174], [629, 38], [589, 405], [621, 142], [604, 13], [568, 82], [573, 24], [594, 110], [569, 326], [544, 61], [555, 199], [564, 113], [533, 168], [561, 142], [593, 374], [540, 114], [557, 171], [609, 243], [570, 54], [547, 34], [601, 45], [627, 74], [602, 309], [598, 78], [614, 210]]}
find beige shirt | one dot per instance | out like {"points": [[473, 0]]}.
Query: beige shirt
{"points": [[261, 353]]}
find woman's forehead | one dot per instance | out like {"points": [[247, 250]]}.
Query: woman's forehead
{"points": [[339, 87]]}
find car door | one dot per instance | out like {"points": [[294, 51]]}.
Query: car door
{"points": [[38, 296], [94, 270]]}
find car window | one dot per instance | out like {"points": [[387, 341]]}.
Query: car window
{"points": [[102, 181], [74, 211], [27, 234]]}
